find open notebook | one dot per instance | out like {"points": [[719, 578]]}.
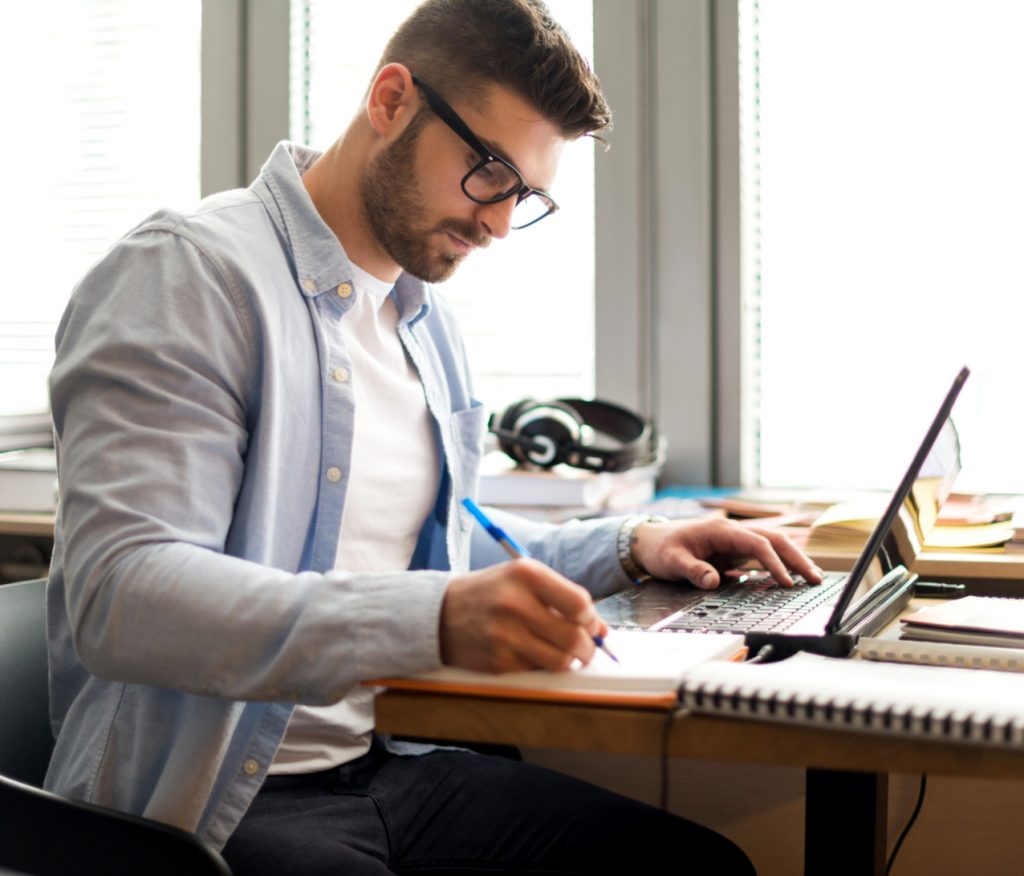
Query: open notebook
{"points": [[648, 675], [827, 618]]}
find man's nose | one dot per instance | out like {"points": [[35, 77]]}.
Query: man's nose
{"points": [[497, 218]]}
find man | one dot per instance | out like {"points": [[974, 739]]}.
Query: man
{"points": [[265, 428]]}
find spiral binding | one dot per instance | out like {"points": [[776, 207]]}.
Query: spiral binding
{"points": [[949, 725]]}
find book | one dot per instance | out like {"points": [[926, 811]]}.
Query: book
{"points": [[747, 508], [971, 620], [847, 525], [28, 480], [553, 513], [648, 674], [990, 537], [502, 483], [928, 702], [630, 490], [24, 430], [969, 509], [1016, 523], [894, 649]]}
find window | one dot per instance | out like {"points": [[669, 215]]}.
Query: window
{"points": [[103, 112], [526, 306], [883, 185]]}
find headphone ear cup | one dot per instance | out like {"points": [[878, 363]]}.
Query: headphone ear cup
{"points": [[506, 429], [553, 425]]}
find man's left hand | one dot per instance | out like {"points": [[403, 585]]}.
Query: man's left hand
{"points": [[681, 549]]}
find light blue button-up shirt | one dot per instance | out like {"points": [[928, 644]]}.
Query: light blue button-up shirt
{"points": [[202, 452]]}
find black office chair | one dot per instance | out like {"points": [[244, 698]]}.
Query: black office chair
{"points": [[44, 834]]}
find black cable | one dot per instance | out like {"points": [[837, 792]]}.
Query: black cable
{"points": [[665, 728], [908, 825], [762, 655]]}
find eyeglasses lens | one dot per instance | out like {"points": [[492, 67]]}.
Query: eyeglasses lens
{"points": [[494, 181], [530, 209]]}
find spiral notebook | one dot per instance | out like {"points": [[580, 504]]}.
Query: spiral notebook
{"points": [[928, 702]]}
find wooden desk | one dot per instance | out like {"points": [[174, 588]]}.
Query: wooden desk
{"points": [[636, 731], [847, 772], [24, 523]]}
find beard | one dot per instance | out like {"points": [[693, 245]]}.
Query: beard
{"points": [[397, 214]]}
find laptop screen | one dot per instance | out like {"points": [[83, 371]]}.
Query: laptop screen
{"points": [[910, 515]]}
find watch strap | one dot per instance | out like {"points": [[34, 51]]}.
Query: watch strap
{"points": [[624, 544]]}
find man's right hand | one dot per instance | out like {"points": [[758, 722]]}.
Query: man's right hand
{"points": [[517, 615]]}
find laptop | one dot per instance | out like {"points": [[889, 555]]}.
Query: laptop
{"points": [[825, 618]]}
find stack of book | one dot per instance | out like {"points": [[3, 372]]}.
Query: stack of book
{"points": [[19, 431], [1016, 523], [28, 480], [973, 632], [28, 466], [562, 493], [972, 620]]}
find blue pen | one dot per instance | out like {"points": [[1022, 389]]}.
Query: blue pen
{"points": [[516, 551]]}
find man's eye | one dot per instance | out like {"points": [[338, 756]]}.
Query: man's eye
{"points": [[487, 172]]}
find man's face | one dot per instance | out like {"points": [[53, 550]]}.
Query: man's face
{"points": [[411, 189]]}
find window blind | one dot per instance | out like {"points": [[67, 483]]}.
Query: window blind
{"points": [[103, 111]]}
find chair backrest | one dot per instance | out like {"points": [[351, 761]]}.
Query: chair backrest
{"points": [[44, 834], [47, 835], [26, 740]]}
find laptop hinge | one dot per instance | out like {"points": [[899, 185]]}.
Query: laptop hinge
{"points": [[878, 606]]}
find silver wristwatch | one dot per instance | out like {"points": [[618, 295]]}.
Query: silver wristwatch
{"points": [[624, 544]]}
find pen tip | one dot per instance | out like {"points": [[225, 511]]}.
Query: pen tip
{"points": [[599, 641]]}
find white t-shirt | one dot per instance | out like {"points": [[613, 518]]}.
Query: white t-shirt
{"points": [[393, 482]]}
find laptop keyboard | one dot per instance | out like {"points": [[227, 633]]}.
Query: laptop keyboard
{"points": [[753, 602]]}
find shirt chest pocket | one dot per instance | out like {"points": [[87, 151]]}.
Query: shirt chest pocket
{"points": [[466, 431]]}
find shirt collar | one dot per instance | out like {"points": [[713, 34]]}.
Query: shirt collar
{"points": [[320, 260]]}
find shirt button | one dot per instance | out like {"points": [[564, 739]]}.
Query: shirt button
{"points": [[334, 474], [340, 374], [344, 290], [309, 284], [251, 767]]}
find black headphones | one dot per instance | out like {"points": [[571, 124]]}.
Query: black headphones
{"points": [[546, 433]]}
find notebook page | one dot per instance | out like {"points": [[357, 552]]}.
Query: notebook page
{"points": [[647, 662]]}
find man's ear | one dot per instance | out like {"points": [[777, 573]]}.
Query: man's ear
{"points": [[392, 101]]}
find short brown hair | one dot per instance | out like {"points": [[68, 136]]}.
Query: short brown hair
{"points": [[460, 46]]}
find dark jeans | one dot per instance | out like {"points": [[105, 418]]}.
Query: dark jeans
{"points": [[459, 812]]}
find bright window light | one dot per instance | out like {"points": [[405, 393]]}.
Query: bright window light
{"points": [[883, 185], [102, 103]]}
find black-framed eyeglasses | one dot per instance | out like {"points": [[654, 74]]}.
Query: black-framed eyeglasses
{"points": [[492, 178]]}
